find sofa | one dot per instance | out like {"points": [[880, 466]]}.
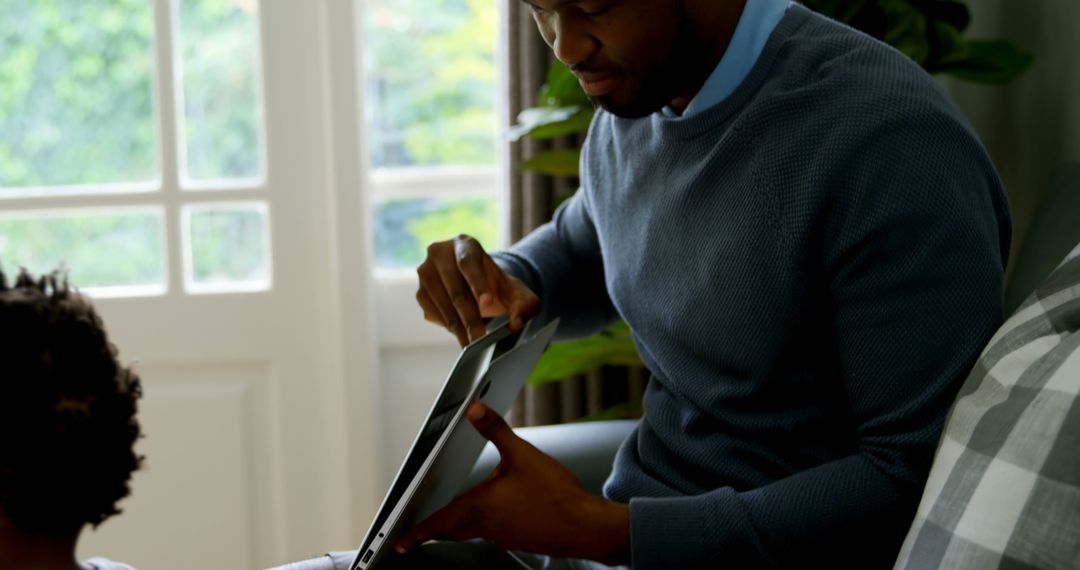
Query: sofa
{"points": [[1049, 538]]}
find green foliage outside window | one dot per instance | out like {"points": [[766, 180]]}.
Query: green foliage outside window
{"points": [[228, 246], [405, 227], [431, 81], [99, 249], [219, 47], [76, 102], [78, 107]]}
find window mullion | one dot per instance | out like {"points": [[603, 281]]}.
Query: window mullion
{"points": [[169, 136]]}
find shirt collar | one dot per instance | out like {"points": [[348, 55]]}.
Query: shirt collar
{"points": [[757, 22]]}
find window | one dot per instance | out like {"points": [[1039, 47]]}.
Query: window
{"points": [[221, 130], [226, 247], [77, 107], [117, 250], [104, 171], [432, 124]]}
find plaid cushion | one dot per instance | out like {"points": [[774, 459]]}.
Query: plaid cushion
{"points": [[1004, 490]]}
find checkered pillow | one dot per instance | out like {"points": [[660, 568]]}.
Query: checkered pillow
{"points": [[1004, 491]]}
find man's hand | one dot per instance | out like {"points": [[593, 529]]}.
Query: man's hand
{"points": [[531, 503], [460, 285]]}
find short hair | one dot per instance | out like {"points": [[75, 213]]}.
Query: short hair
{"points": [[67, 410]]}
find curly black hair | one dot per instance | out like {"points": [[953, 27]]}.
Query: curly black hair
{"points": [[67, 410]]}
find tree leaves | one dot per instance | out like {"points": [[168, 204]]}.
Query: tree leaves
{"points": [[76, 102]]}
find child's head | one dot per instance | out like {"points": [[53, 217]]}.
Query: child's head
{"points": [[67, 410]]}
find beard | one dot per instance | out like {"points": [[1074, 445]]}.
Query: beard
{"points": [[665, 81]]}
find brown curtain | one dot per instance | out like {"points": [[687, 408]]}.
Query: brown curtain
{"points": [[532, 199]]}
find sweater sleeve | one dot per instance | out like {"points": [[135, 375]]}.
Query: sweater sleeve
{"points": [[560, 261], [912, 238]]}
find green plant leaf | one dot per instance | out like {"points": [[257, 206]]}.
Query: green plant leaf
{"points": [[990, 61], [578, 123], [612, 347], [952, 46], [562, 88], [949, 12], [548, 123], [560, 162], [906, 29], [530, 120]]}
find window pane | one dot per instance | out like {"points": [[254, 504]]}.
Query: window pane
{"points": [[431, 81], [76, 93], [222, 97], [404, 228], [107, 252], [228, 247]]}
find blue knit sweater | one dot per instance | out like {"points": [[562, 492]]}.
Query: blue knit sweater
{"points": [[809, 270]]}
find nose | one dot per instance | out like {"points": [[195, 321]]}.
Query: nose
{"points": [[572, 42]]}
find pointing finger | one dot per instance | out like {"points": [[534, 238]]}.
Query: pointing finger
{"points": [[463, 302], [472, 262], [445, 308]]}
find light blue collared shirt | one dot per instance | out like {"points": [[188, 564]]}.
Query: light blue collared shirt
{"points": [[758, 20]]}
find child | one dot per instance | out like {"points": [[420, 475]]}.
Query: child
{"points": [[67, 424]]}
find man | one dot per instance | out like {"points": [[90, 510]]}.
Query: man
{"points": [[808, 242], [67, 425]]}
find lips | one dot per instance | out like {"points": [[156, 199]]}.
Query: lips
{"points": [[598, 84]]}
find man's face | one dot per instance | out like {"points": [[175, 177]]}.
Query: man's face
{"points": [[631, 56]]}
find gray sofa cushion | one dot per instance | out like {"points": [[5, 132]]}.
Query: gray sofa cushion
{"points": [[1004, 490]]}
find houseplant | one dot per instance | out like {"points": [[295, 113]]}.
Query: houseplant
{"points": [[930, 32]]}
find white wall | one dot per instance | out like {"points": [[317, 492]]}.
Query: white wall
{"points": [[411, 378], [413, 360]]}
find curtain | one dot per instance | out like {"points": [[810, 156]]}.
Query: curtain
{"points": [[531, 201]]}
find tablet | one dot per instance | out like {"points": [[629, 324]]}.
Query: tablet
{"points": [[492, 369]]}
